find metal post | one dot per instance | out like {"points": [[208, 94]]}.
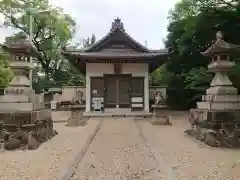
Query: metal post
{"points": [[30, 41]]}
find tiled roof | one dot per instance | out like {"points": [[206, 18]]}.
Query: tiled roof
{"points": [[118, 54], [117, 25]]}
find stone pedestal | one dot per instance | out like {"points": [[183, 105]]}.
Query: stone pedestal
{"points": [[76, 118], [160, 115]]}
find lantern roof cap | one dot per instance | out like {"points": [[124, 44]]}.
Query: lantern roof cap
{"points": [[221, 47], [20, 46]]}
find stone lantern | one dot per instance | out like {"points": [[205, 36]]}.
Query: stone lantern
{"points": [[220, 53], [19, 98], [216, 119], [21, 51], [22, 112]]}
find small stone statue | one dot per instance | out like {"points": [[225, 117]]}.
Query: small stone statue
{"points": [[79, 98], [158, 98]]}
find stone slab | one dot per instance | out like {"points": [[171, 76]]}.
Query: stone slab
{"points": [[160, 110], [117, 114], [216, 116], [221, 98], [222, 90], [218, 106]]}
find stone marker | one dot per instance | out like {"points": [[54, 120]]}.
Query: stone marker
{"points": [[160, 116], [76, 118]]}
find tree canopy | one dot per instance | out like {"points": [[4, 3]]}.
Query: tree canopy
{"points": [[52, 30], [192, 28]]}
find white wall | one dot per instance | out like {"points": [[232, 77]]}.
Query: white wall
{"points": [[98, 69]]}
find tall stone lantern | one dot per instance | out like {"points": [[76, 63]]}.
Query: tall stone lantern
{"points": [[216, 119], [21, 51], [19, 104]]}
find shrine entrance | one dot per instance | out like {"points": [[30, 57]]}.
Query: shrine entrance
{"points": [[117, 91], [117, 70]]}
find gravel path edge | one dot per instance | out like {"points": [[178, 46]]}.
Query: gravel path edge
{"points": [[70, 171], [166, 168]]}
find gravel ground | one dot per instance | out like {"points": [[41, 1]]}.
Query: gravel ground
{"points": [[193, 159], [47, 162], [118, 152], [124, 150]]}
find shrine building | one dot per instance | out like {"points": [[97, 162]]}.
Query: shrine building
{"points": [[117, 71]]}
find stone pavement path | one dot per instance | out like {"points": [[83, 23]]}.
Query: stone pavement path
{"points": [[118, 152]]}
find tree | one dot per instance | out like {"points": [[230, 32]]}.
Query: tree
{"points": [[62, 72], [65, 73], [189, 34], [52, 30]]}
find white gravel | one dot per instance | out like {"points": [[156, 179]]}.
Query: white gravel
{"points": [[52, 157], [118, 152], [193, 159]]}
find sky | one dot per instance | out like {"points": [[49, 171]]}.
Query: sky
{"points": [[144, 20]]}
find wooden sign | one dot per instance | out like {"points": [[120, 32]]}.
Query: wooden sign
{"points": [[117, 68]]}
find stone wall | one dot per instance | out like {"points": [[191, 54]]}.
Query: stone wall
{"points": [[69, 92]]}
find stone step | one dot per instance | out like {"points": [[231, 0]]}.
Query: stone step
{"points": [[221, 98], [218, 105], [222, 90], [117, 114]]}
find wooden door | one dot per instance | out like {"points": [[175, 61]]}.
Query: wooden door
{"points": [[123, 92], [110, 92], [117, 91]]}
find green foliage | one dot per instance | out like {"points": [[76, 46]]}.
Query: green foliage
{"points": [[62, 73], [192, 28], [161, 76], [197, 77], [52, 29], [235, 74]]}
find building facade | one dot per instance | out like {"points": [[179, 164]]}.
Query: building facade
{"points": [[117, 71]]}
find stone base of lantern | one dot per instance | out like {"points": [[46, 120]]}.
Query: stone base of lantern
{"points": [[25, 121], [26, 136], [25, 117], [216, 121], [215, 128]]}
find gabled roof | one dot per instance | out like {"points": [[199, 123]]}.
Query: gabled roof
{"points": [[117, 46], [117, 31]]}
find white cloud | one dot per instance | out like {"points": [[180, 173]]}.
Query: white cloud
{"points": [[143, 19]]}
